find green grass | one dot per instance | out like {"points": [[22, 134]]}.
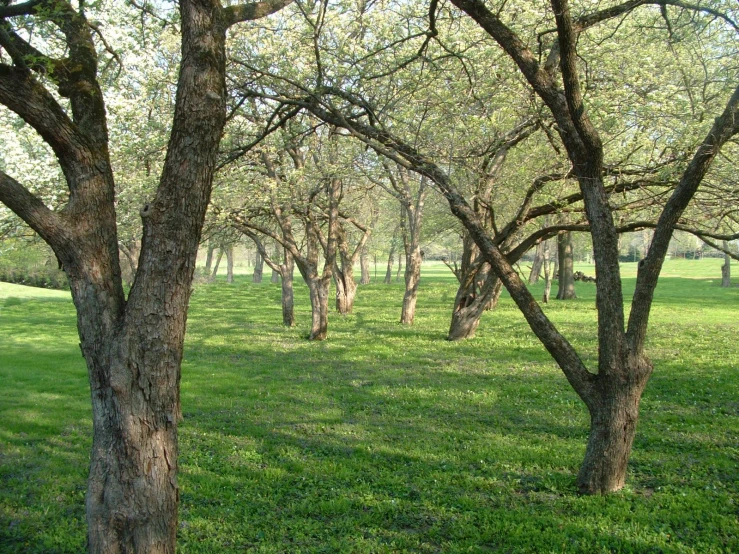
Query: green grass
{"points": [[386, 438]]}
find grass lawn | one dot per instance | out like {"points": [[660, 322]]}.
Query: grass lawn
{"points": [[387, 438]]}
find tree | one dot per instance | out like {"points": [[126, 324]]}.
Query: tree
{"points": [[132, 346], [611, 394], [565, 255]]}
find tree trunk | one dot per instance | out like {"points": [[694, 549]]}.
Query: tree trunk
{"points": [[614, 413], [566, 267], [218, 263], [276, 274], [288, 301], [726, 268], [479, 290], [209, 259], [400, 266], [258, 268], [536, 265], [469, 307], [364, 264], [390, 262], [318, 289], [412, 278], [548, 273], [230, 264]]}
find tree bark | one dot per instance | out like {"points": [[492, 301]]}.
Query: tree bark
{"points": [[566, 267], [364, 265], [230, 264], [537, 264], [614, 412], [726, 268], [258, 268], [209, 258], [470, 305], [217, 265], [275, 273], [390, 261], [288, 299]]}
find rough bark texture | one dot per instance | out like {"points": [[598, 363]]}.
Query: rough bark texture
{"points": [[726, 268], [258, 268], [478, 291], [536, 264], [614, 413], [566, 289], [288, 299], [364, 267], [214, 273], [391, 260], [230, 264]]}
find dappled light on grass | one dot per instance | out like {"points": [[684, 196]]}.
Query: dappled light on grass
{"points": [[387, 438]]}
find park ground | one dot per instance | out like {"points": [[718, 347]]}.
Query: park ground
{"points": [[385, 438]]}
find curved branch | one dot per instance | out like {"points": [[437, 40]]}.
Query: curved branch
{"points": [[256, 10], [47, 223]]}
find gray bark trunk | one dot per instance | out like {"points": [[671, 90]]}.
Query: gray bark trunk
{"points": [[536, 265], [566, 289], [288, 300], [364, 265], [412, 278], [390, 262], [258, 268], [726, 268], [230, 264], [217, 265]]}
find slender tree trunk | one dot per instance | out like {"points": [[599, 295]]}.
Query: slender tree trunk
{"points": [[209, 258], [288, 302], [566, 267], [548, 273], [230, 264], [400, 266], [276, 274], [390, 262], [726, 268], [412, 278], [258, 268], [536, 265], [218, 263], [364, 264]]}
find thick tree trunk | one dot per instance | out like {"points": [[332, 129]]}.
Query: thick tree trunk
{"points": [[469, 307], [318, 289], [346, 292], [288, 301], [536, 265], [230, 264], [412, 278], [614, 413], [566, 289], [364, 265], [726, 268], [258, 268]]}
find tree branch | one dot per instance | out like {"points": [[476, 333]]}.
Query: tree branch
{"points": [[256, 10]]}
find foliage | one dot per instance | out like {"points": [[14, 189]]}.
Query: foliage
{"points": [[385, 438]]}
